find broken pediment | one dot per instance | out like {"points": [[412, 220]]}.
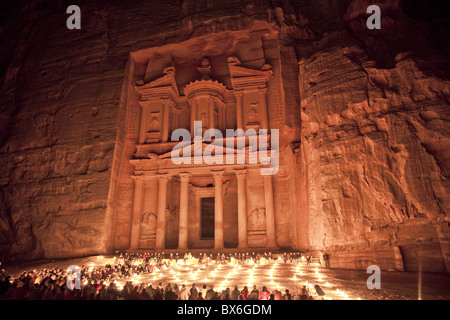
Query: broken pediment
{"points": [[242, 77], [163, 86]]}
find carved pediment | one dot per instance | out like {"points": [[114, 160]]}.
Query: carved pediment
{"points": [[160, 87], [245, 77]]}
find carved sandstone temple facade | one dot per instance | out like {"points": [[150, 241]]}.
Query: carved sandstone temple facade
{"points": [[163, 205]]}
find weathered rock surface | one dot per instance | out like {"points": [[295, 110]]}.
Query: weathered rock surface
{"points": [[365, 117]]}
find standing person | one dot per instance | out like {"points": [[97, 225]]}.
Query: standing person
{"points": [[244, 293], [204, 291], [264, 295], [235, 293], [200, 296], [170, 295], [277, 295], [287, 295], [184, 293], [325, 260], [209, 293], [225, 294], [304, 293], [193, 293], [176, 290], [254, 295]]}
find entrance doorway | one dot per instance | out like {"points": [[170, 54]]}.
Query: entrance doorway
{"points": [[207, 219]]}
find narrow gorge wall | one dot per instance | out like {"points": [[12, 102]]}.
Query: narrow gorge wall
{"points": [[366, 114]]}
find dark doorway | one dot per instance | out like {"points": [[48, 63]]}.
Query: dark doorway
{"points": [[207, 219]]}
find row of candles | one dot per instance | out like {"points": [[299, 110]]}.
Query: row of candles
{"points": [[190, 272]]}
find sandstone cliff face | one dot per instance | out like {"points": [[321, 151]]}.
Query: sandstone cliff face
{"points": [[375, 140], [365, 115]]}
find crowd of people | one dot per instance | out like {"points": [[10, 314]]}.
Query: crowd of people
{"points": [[89, 283]]}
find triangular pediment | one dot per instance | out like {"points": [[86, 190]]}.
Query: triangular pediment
{"points": [[239, 72], [167, 81], [242, 77]]}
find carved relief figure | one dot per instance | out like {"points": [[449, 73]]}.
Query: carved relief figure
{"points": [[204, 120], [171, 221], [154, 128], [257, 219], [253, 114], [148, 226], [155, 125]]}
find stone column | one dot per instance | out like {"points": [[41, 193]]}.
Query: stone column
{"points": [[270, 212], [212, 113], [165, 124], [263, 103], [161, 214], [137, 211], [242, 208], [218, 209], [143, 127], [183, 224], [239, 112], [193, 105]]}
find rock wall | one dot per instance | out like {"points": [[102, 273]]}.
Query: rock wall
{"points": [[375, 141], [365, 119]]}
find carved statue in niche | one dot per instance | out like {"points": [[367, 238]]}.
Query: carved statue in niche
{"points": [[154, 128], [253, 116], [148, 226], [257, 219], [171, 220], [155, 125], [204, 120]]}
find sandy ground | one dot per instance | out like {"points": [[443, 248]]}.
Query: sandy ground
{"points": [[336, 283]]}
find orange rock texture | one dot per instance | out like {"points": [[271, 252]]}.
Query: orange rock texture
{"points": [[363, 115]]}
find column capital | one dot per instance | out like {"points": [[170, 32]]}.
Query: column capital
{"points": [[193, 99], [262, 90], [163, 177], [240, 173], [150, 177], [167, 100], [138, 178], [238, 93], [218, 174], [185, 176]]}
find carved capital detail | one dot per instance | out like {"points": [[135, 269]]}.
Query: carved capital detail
{"points": [[240, 173], [262, 90], [152, 177], [185, 176], [163, 177], [218, 174], [238, 93], [138, 180], [168, 101]]}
